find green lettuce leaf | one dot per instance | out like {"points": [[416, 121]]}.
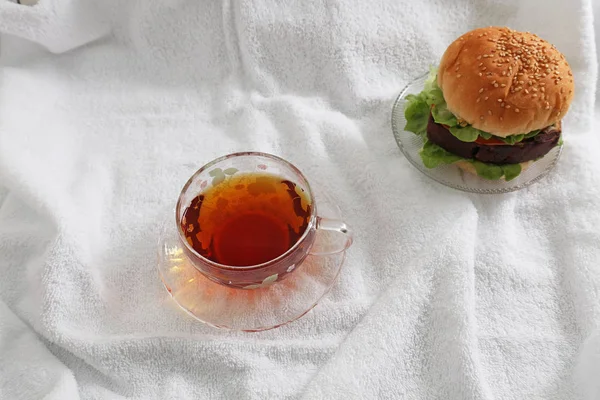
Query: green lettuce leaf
{"points": [[511, 171], [513, 139], [518, 138], [532, 134], [431, 81], [443, 116], [416, 114], [434, 155], [434, 96], [466, 134], [493, 172], [488, 171], [485, 135]]}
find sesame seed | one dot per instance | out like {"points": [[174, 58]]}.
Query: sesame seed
{"points": [[499, 100], [517, 110], [478, 99], [535, 95], [489, 112], [484, 68], [479, 57], [503, 85], [458, 75], [495, 85], [480, 74], [501, 118], [508, 106], [526, 91], [481, 117], [485, 98], [480, 64]]}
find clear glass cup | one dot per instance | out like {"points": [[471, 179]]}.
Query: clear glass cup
{"points": [[217, 172]]}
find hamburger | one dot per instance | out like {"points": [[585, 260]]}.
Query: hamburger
{"points": [[494, 105]]}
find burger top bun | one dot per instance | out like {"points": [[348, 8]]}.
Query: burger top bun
{"points": [[505, 82]]}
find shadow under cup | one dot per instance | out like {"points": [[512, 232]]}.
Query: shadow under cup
{"points": [[221, 189]]}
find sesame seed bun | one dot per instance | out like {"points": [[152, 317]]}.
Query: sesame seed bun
{"points": [[469, 168], [505, 82]]}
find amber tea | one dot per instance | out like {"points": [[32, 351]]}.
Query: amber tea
{"points": [[248, 219]]}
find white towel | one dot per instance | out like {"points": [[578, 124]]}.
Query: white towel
{"points": [[444, 295], [58, 25]]}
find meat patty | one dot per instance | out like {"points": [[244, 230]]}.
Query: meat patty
{"points": [[526, 150]]}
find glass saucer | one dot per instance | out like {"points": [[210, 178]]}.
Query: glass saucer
{"points": [[450, 175], [250, 310]]}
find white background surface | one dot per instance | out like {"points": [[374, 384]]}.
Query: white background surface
{"points": [[444, 295]]}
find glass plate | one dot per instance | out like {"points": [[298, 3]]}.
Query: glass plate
{"points": [[450, 175], [257, 309]]}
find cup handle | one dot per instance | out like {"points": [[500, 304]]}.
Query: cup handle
{"points": [[336, 226]]}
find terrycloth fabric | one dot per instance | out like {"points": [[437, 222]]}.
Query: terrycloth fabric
{"points": [[57, 25], [445, 295]]}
